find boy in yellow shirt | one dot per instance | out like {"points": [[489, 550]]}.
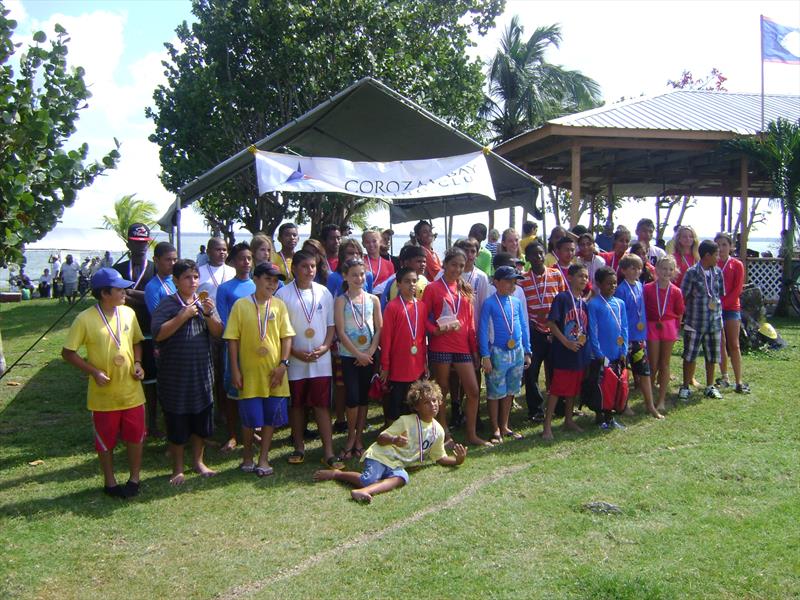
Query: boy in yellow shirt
{"points": [[112, 337], [259, 334], [405, 443]]}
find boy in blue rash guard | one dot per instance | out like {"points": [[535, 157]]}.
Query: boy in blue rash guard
{"points": [[608, 329], [630, 291], [504, 359], [164, 258], [228, 293]]}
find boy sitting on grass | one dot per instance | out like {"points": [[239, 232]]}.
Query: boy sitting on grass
{"points": [[407, 442], [110, 332]]}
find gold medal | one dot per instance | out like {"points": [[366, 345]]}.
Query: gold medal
{"points": [[202, 296], [362, 339], [119, 360], [712, 305], [582, 338], [262, 351], [640, 326], [511, 344], [310, 332], [620, 341], [659, 325], [414, 350]]}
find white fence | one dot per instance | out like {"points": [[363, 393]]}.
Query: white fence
{"points": [[766, 273]]}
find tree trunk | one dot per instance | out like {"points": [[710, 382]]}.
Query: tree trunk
{"points": [[784, 303], [491, 219], [554, 204], [2, 356], [512, 218]]}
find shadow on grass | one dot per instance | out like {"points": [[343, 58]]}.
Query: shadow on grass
{"points": [[34, 317]]}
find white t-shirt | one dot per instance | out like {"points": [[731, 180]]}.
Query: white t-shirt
{"points": [[212, 277], [319, 300], [654, 253], [69, 272]]}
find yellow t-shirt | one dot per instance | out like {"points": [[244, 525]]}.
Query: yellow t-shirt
{"points": [[89, 330], [422, 281], [284, 266], [394, 457], [257, 369], [523, 243]]}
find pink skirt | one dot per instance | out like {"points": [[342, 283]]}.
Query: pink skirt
{"points": [[667, 333]]}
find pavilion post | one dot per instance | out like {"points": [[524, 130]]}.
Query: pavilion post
{"points": [[576, 186], [745, 184], [178, 225], [723, 211]]}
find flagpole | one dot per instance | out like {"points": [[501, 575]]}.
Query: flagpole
{"points": [[762, 71]]}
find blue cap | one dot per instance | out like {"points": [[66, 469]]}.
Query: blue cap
{"points": [[506, 272], [107, 277]]}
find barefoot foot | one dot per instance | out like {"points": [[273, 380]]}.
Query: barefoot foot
{"points": [[661, 408], [655, 414], [547, 435], [202, 470], [324, 475], [360, 496], [572, 426], [229, 446], [177, 479], [628, 412], [476, 441]]}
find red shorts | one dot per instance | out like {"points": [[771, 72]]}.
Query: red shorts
{"points": [[126, 425], [668, 332], [312, 392], [566, 383]]}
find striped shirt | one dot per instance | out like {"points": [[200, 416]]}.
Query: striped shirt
{"points": [[540, 290]]}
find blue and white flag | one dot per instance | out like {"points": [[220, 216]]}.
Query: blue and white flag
{"points": [[779, 43], [434, 177]]}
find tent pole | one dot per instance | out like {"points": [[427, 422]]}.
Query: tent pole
{"points": [[574, 207], [743, 215], [178, 225], [543, 236]]}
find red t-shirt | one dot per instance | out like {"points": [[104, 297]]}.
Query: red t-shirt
{"points": [[396, 340], [333, 263], [381, 269], [684, 262], [612, 259], [674, 302], [461, 341], [432, 264], [540, 291], [733, 277]]}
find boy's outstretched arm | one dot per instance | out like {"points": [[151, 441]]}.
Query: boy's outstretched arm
{"points": [[459, 455]]}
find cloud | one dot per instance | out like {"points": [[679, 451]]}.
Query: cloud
{"points": [[16, 10]]}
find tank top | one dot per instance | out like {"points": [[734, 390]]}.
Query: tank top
{"points": [[352, 330]]}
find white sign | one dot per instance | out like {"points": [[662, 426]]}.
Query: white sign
{"points": [[434, 177]]}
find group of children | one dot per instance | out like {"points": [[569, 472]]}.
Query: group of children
{"points": [[292, 339]]}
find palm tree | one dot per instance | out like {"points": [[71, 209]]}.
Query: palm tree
{"points": [[129, 211], [777, 153], [525, 90]]}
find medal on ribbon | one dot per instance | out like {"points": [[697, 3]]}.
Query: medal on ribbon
{"points": [[118, 359], [262, 324], [307, 313], [412, 330], [511, 343]]}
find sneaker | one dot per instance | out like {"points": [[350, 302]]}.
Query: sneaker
{"points": [[684, 393], [132, 489], [614, 424], [309, 434], [340, 427], [722, 383], [742, 388], [712, 392], [605, 426], [115, 491]]}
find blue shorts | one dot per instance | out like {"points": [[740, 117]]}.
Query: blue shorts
{"points": [[375, 471], [263, 412], [508, 366], [731, 315]]}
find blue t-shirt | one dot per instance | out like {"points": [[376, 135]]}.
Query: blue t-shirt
{"points": [[571, 316], [633, 298], [335, 281], [229, 292], [156, 289], [608, 321], [493, 312]]}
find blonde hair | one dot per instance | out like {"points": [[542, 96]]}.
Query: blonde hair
{"points": [[259, 240], [695, 240], [505, 235], [419, 390], [667, 260]]}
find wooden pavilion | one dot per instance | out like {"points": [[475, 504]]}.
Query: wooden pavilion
{"points": [[665, 145]]}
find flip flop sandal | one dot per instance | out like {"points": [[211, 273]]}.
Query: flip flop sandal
{"points": [[247, 468], [333, 463], [264, 471], [514, 435], [496, 439], [347, 454], [358, 452], [296, 458]]}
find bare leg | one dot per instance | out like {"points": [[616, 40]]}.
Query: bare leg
{"points": [[176, 451], [547, 431], [323, 417], [351, 477], [107, 467], [723, 352], [230, 409], [710, 368], [266, 443], [569, 423], [663, 372], [352, 428], [466, 372], [297, 422], [732, 328], [647, 391], [654, 352], [505, 413], [247, 445], [365, 494], [494, 422], [361, 423], [135, 461], [688, 372], [198, 446], [441, 374]]}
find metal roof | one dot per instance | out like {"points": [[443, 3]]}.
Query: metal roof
{"points": [[689, 110]]}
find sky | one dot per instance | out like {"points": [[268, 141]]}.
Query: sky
{"points": [[629, 47]]}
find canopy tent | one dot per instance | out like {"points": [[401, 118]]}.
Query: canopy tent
{"points": [[369, 121]]}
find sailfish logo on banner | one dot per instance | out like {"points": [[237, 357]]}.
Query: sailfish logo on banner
{"points": [[297, 175]]}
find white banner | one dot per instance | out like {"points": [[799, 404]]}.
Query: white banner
{"points": [[449, 176]]}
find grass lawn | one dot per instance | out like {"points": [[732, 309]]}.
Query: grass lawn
{"points": [[709, 500]]}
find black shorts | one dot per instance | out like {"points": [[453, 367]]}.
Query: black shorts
{"points": [[356, 382], [397, 400], [638, 360], [181, 427]]}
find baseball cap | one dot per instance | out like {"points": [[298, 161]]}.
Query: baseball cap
{"points": [[506, 272], [267, 268], [139, 232], [107, 277]]}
